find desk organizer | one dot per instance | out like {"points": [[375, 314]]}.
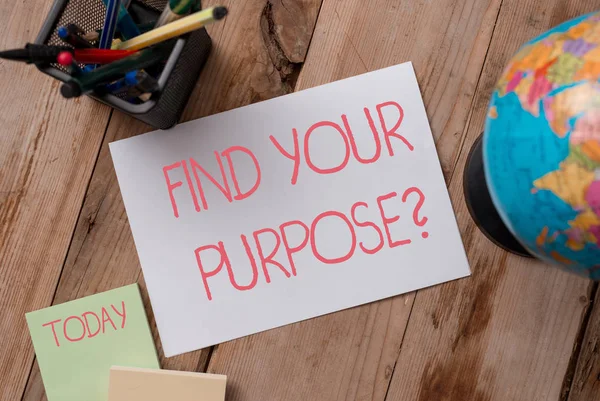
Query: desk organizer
{"points": [[176, 79]]}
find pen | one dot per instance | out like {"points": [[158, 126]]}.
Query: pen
{"points": [[173, 29], [77, 86], [100, 56], [134, 84], [66, 59], [140, 82], [127, 28], [33, 53], [70, 34], [174, 10], [110, 24]]}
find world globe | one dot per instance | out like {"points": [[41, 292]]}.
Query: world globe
{"points": [[540, 151]]}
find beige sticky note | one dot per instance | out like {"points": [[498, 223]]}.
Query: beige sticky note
{"points": [[134, 384]]}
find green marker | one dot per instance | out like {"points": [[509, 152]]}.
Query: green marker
{"points": [[78, 86], [174, 10]]}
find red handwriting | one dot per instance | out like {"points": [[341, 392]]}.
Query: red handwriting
{"points": [[292, 250], [224, 187], [418, 221], [348, 140], [388, 131], [309, 162], [313, 242], [366, 224], [271, 252], [295, 157], [196, 187], [269, 259], [389, 220], [75, 328], [356, 227]]}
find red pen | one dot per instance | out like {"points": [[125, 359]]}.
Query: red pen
{"points": [[34, 53], [100, 56]]}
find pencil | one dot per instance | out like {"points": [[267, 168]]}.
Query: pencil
{"points": [[110, 24], [173, 29], [174, 10]]}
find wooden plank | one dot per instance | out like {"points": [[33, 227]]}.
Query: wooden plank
{"points": [[248, 64], [585, 385], [350, 355], [48, 148], [446, 42], [507, 332]]}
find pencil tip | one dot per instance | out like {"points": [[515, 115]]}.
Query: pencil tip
{"points": [[219, 12], [14, 54]]}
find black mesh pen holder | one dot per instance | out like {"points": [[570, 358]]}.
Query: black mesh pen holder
{"points": [[176, 78]]}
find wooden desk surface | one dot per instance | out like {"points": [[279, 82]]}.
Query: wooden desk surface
{"points": [[515, 330]]}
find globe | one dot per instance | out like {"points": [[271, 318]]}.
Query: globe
{"points": [[541, 146]]}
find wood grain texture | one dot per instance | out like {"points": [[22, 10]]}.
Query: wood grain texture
{"points": [[445, 40], [244, 67], [343, 356], [48, 147], [248, 63], [507, 332], [350, 355], [585, 385]]}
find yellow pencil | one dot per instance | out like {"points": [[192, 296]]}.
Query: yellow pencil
{"points": [[173, 29]]}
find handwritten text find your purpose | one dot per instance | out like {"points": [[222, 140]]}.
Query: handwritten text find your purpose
{"points": [[386, 139]]}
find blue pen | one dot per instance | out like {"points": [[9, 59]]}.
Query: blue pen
{"points": [[135, 84], [116, 87], [140, 82], [122, 85], [127, 28], [110, 24], [69, 34]]}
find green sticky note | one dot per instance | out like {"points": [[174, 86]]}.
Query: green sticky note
{"points": [[77, 342]]}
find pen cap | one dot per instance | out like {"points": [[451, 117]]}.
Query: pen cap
{"points": [[62, 32], [131, 78], [70, 90], [64, 58]]}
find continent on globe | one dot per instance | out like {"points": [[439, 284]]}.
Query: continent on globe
{"points": [[569, 183]]}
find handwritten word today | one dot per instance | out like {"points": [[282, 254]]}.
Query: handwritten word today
{"points": [[298, 151], [76, 328]]}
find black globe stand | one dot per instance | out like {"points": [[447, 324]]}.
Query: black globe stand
{"points": [[481, 207]]}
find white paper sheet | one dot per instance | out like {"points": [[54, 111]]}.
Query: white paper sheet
{"points": [[342, 184]]}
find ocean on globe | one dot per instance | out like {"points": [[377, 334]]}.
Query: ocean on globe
{"points": [[541, 146]]}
